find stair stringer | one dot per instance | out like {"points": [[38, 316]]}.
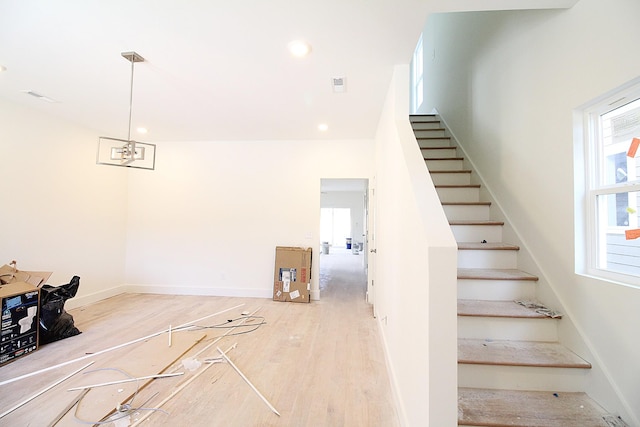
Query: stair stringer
{"points": [[600, 384]]}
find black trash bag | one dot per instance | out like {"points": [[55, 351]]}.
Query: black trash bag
{"points": [[55, 322]]}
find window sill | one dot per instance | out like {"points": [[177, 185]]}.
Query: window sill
{"points": [[612, 278]]}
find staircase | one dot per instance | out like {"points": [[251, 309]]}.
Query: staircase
{"points": [[512, 371]]}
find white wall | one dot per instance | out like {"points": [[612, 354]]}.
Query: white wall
{"points": [[415, 265], [208, 219], [506, 83], [59, 211]]}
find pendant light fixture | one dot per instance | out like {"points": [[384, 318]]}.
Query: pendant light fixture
{"points": [[127, 152]]}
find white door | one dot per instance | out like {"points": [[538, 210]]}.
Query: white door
{"points": [[370, 247]]}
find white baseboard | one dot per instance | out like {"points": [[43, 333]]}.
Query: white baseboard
{"points": [[197, 290], [80, 301]]}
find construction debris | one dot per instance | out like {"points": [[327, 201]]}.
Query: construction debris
{"points": [[44, 390], [178, 390], [96, 403], [614, 421], [187, 325], [264, 399], [82, 387], [539, 308]]}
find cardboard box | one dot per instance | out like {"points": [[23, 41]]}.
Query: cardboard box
{"points": [[19, 331], [10, 274], [292, 276]]}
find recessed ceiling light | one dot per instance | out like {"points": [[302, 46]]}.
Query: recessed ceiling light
{"points": [[323, 127], [142, 130], [299, 48]]}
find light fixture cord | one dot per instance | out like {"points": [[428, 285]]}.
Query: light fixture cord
{"points": [[131, 99]]}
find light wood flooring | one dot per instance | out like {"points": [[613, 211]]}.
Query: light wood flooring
{"points": [[318, 364]]}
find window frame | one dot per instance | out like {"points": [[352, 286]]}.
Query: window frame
{"points": [[590, 162], [417, 75]]}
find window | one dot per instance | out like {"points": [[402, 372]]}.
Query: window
{"points": [[612, 187], [417, 65], [335, 226]]}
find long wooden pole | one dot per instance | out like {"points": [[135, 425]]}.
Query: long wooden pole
{"points": [[73, 403], [30, 374], [145, 384], [200, 372], [177, 390]]}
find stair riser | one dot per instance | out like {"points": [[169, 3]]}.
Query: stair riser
{"points": [[477, 233], [451, 178], [439, 153], [459, 194], [434, 143], [444, 165], [426, 125], [471, 258], [429, 133], [468, 212], [498, 328], [554, 380], [496, 290]]}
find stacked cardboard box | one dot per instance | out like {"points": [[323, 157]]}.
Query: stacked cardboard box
{"points": [[20, 298], [292, 276]]}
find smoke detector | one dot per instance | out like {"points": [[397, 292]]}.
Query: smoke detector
{"points": [[338, 84]]}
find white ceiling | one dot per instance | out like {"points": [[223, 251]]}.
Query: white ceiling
{"points": [[214, 70]]}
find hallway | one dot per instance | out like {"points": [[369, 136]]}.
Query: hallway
{"points": [[342, 276]]}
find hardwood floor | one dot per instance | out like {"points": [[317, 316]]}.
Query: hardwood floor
{"points": [[318, 364]]}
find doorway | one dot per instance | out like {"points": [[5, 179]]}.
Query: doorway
{"points": [[343, 235]]}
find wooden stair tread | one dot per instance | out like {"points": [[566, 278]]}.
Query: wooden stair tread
{"points": [[456, 171], [495, 274], [457, 186], [438, 148], [475, 222], [510, 309], [426, 138], [518, 353], [465, 203], [445, 158], [499, 408], [414, 117], [489, 246]]}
